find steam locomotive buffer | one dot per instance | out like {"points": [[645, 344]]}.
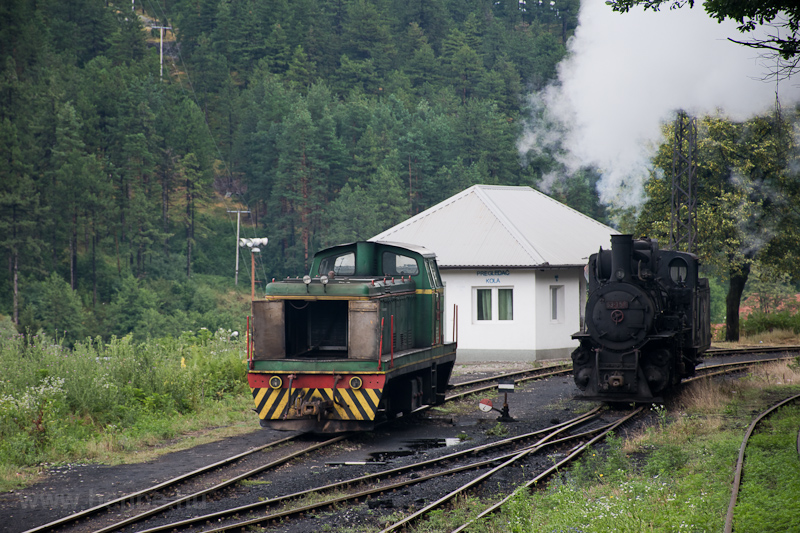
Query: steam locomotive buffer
{"points": [[647, 322], [358, 340]]}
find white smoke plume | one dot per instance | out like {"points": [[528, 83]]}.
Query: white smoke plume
{"points": [[627, 74]]}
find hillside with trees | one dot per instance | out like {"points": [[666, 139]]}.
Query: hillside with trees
{"points": [[329, 121]]}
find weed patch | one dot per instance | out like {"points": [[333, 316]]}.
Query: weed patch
{"points": [[97, 399], [771, 477]]}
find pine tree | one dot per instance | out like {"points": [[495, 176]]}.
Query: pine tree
{"points": [[20, 209]]}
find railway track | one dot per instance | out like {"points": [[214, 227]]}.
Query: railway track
{"points": [[574, 453], [740, 460], [708, 371], [465, 388], [141, 497], [713, 352], [139, 506], [462, 462]]}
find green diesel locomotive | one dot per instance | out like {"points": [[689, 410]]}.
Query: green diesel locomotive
{"points": [[358, 340]]}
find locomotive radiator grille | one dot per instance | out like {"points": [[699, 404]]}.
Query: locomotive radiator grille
{"points": [[327, 403]]}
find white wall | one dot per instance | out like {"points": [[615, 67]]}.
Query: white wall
{"points": [[530, 334], [554, 333]]}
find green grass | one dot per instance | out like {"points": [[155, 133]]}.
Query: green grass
{"points": [[771, 477], [99, 401]]}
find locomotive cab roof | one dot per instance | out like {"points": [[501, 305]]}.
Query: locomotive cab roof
{"points": [[365, 267]]}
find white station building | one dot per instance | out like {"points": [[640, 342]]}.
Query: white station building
{"points": [[512, 260]]}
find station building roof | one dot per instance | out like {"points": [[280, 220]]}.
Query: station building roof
{"points": [[502, 226]]}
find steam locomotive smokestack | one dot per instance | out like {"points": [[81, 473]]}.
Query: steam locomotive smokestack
{"points": [[621, 249]]}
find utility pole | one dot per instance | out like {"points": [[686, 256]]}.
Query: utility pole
{"points": [[254, 245], [161, 32], [683, 216], [238, 221]]}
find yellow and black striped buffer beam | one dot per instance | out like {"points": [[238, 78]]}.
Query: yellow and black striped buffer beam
{"points": [[333, 404]]}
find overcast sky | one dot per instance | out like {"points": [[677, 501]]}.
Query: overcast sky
{"points": [[626, 74]]}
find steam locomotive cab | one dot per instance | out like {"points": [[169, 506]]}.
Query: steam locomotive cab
{"points": [[647, 321]]}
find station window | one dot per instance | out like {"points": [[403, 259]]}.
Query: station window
{"points": [[484, 304], [494, 302], [505, 304], [556, 303]]}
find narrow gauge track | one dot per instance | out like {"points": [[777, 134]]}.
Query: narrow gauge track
{"points": [[475, 386], [381, 482], [708, 371], [145, 494], [714, 352], [740, 461], [574, 454]]}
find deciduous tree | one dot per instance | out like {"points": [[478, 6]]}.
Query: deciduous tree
{"points": [[781, 18]]}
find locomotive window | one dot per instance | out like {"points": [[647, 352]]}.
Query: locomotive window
{"points": [[437, 275], [433, 273], [399, 265], [341, 265], [678, 270]]}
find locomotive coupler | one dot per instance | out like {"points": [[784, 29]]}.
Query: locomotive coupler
{"points": [[315, 407], [616, 379]]}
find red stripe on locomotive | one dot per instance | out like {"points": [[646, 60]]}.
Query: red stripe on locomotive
{"points": [[317, 381]]}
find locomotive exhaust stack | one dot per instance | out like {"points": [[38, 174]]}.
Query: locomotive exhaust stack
{"points": [[621, 252]]}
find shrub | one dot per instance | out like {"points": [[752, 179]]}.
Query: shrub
{"points": [[52, 398], [758, 322]]}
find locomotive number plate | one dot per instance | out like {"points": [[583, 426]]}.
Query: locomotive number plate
{"points": [[612, 304]]}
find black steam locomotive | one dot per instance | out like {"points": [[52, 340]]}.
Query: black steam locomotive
{"points": [[646, 323]]}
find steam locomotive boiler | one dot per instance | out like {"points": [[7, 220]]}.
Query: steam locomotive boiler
{"points": [[646, 324]]}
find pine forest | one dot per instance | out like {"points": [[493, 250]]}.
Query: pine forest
{"points": [[328, 121]]}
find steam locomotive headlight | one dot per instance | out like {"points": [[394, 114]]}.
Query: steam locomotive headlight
{"points": [[275, 382], [307, 279], [356, 382], [324, 279]]}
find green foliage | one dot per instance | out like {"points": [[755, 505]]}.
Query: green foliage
{"points": [[498, 430], [606, 466], [769, 290], [758, 322], [666, 459], [331, 120], [718, 292], [745, 197], [53, 400]]}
